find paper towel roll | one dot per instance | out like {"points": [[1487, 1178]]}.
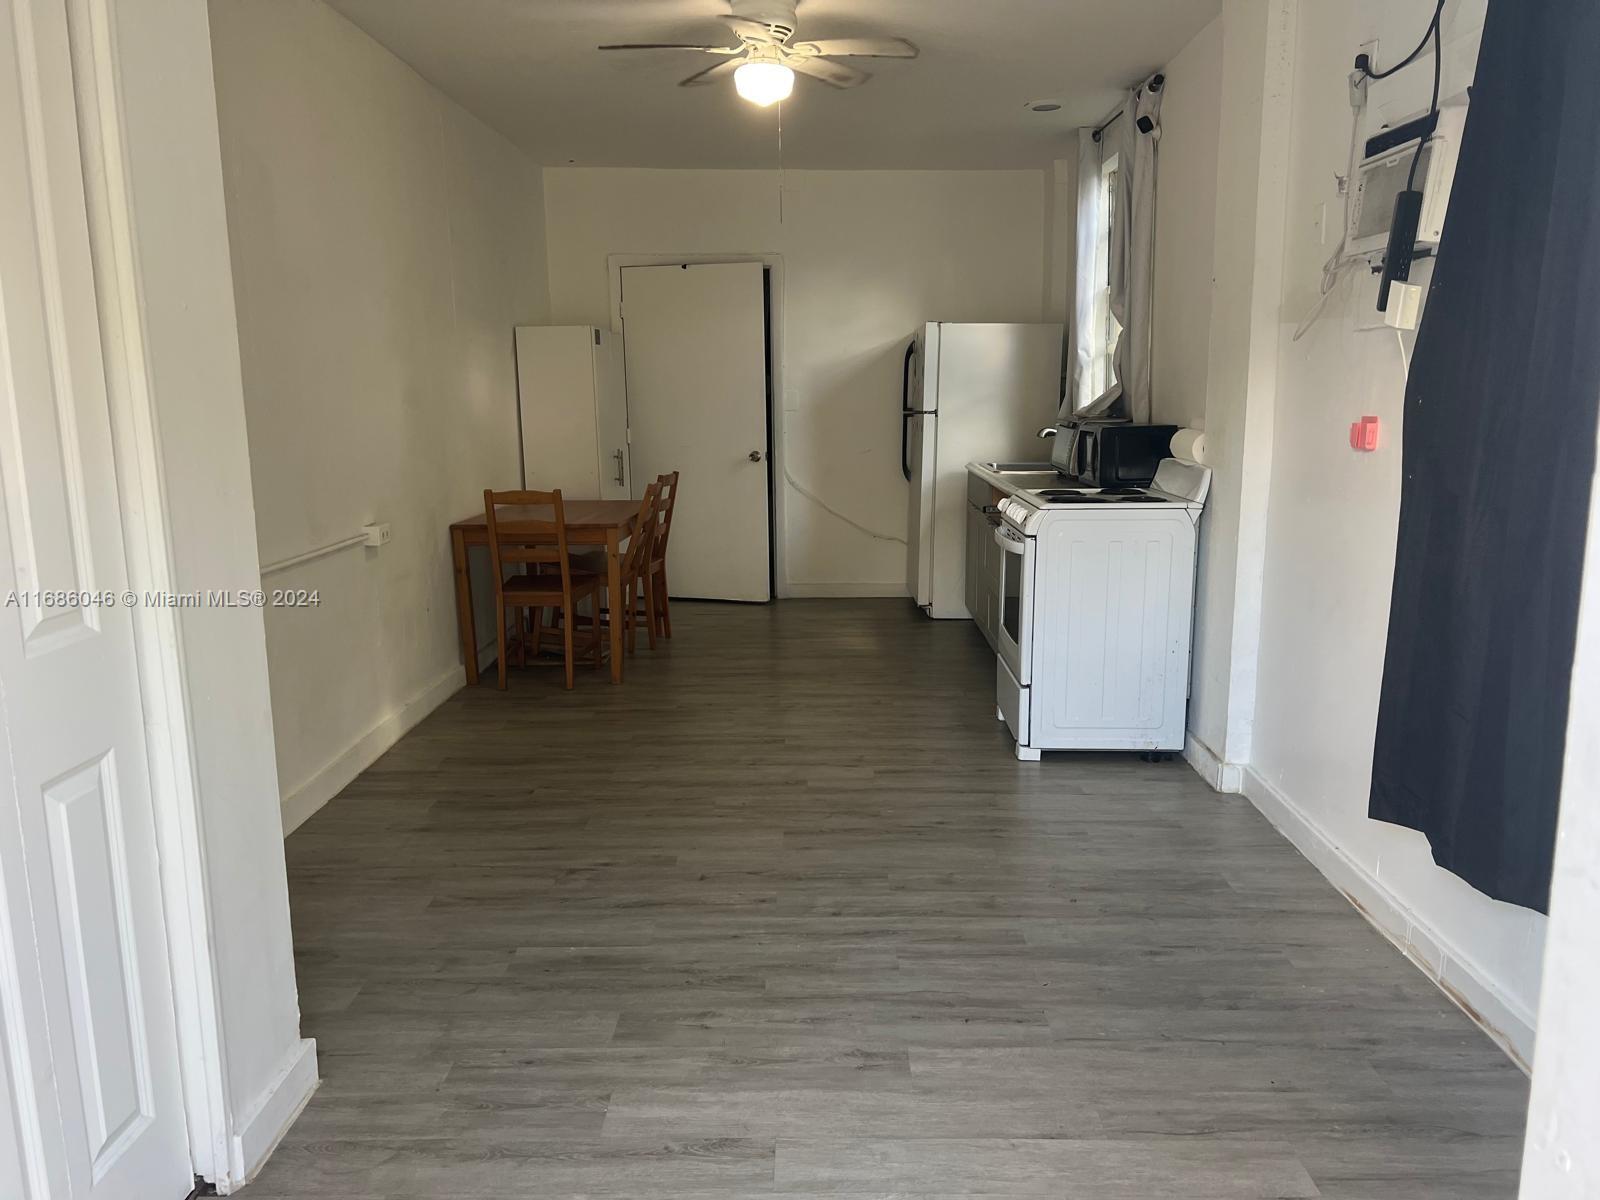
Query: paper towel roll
{"points": [[1189, 445]]}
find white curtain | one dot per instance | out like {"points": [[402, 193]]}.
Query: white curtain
{"points": [[1081, 328], [1132, 138]]}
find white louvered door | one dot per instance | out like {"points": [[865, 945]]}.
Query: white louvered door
{"points": [[90, 1094]]}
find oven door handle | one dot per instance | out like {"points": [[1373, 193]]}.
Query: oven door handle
{"points": [[1009, 542]]}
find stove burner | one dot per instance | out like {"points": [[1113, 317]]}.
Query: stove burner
{"points": [[1107, 496]]}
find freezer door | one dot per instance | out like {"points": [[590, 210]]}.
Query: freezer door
{"points": [[922, 442]]}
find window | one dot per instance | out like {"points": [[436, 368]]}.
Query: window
{"points": [[1103, 329]]}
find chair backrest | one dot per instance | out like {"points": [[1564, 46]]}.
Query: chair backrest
{"points": [[668, 501], [641, 545], [512, 552]]}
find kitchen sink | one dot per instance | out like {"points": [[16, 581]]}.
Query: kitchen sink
{"points": [[1034, 468]]}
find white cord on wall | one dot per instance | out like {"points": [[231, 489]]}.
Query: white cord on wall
{"points": [[828, 508], [1405, 355], [283, 564]]}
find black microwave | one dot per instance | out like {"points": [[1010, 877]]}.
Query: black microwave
{"points": [[1107, 455]]}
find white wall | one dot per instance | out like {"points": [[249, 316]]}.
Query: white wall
{"points": [[1291, 695], [1561, 1159], [1252, 170], [1186, 214], [867, 257], [1061, 235], [384, 243], [161, 263]]}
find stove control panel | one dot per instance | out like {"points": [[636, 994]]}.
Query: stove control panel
{"points": [[1016, 512]]}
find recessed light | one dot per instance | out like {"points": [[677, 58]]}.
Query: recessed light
{"points": [[1044, 106]]}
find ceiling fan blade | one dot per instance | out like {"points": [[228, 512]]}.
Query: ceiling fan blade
{"points": [[859, 48], [673, 46], [835, 74], [722, 70], [758, 30]]}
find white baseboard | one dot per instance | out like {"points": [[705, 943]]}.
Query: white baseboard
{"points": [[1455, 974], [262, 1128], [843, 591], [310, 796], [1222, 776]]}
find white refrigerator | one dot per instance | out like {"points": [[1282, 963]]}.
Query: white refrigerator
{"points": [[971, 393]]}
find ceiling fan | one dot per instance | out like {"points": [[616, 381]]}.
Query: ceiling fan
{"points": [[764, 62]]}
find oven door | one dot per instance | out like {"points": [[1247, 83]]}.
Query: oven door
{"points": [[1014, 635]]}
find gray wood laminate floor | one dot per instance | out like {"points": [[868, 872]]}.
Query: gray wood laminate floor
{"points": [[783, 915]]}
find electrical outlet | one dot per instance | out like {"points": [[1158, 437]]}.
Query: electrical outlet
{"points": [[377, 535], [1359, 81]]}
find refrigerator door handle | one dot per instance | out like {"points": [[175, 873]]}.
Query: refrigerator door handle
{"points": [[906, 411]]}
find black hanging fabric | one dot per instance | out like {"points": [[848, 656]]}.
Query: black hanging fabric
{"points": [[1499, 457]]}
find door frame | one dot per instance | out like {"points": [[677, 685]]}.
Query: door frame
{"points": [[777, 467], [125, 316]]}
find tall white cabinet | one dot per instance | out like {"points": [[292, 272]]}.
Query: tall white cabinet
{"points": [[573, 397]]}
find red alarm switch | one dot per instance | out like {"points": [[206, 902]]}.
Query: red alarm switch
{"points": [[1364, 434]]}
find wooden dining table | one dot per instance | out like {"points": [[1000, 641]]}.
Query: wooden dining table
{"points": [[600, 523]]}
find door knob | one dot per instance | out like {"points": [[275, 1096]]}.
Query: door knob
{"points": [[755, 456]]}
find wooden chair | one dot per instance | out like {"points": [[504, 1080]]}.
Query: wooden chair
{"points": [[658, 558], [560, 589], [638, 586], [650, 602]]}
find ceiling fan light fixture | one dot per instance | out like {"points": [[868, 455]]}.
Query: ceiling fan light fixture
{"points": [[763, 82]]}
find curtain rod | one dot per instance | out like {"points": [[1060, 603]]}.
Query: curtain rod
{"points": [[1155, 83]]}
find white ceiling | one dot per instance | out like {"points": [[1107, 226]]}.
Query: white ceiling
{"points": [[530, 69]]}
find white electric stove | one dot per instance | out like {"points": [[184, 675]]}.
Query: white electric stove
{"points": [[1097, 601]]}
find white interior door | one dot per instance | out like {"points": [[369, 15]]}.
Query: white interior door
{"points": [[695, 342], [91, 1073]]}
